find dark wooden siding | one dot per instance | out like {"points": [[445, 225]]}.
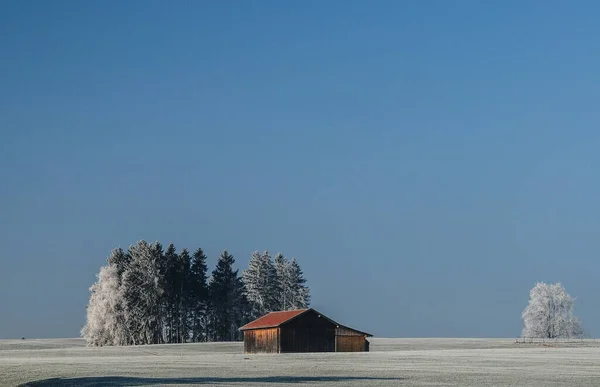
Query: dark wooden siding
{"points": [[350, 344], [308, 333], [261, 341]]}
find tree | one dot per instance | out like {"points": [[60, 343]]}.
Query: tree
{"points": [[169, 301], [199, 297], [299, 293], [142, 293], [226, 300], [185, 297], [120, 259], [549, 313], [104, 325], [260, 284], [282, 276]]}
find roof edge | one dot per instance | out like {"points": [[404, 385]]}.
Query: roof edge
{"points": [[356, 330], [274, 326]]}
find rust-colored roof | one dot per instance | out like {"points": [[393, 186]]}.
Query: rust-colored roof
{"points": [[273, 319]]}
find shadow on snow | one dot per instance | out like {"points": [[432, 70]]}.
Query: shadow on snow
{"points": [[106, 381]]}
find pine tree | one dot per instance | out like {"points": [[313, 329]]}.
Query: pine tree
{"points": [[260, 284], [169, 300], [185, 296], [143, 292], [226, 300], [199, 297], [300, 295], [283, 283], [120, 259], [242, 311]]}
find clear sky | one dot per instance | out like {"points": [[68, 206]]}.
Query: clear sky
{"points": [[425, 161]]}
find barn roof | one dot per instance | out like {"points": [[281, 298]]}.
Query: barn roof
{"points": [[276, 319], [273, 319]]}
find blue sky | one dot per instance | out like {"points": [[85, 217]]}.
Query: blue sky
{"points": [[425, 161]]}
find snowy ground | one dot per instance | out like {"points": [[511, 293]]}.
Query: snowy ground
{"points": [[391, 362]]}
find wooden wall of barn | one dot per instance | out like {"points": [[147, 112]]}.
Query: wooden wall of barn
{"points": [[344, 331], [349, 340], [350, 344], [308, 333], [261, 341]]}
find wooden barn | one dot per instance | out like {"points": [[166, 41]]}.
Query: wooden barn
{"points": [[303, 330]]}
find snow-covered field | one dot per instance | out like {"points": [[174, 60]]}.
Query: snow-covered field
{"points": [[391, 362]]}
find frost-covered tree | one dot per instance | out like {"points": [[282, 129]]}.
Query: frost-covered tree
{"points": [[199, 297], [260, 284], [100, 309], [299, 292], [169, 301], [105, 315], [549, 313], [227, 301], [142, 287], [282, 275]]}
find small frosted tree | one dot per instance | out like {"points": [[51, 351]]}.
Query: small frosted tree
{"points": [[549, 313]]}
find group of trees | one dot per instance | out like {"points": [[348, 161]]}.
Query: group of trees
{"points": [[274, 286], [549, 314], [147, 295]]}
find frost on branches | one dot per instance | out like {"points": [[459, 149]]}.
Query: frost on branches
{"points": [[549, 314]]}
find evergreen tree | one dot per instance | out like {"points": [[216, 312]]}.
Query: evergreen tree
{"points": [[169, 264], [226, 300], [283, 282], [120, 259], [300, 295], [185, 296], [242, 311], [158, 257], [143, 293], [199, 297], [260, 284]]}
